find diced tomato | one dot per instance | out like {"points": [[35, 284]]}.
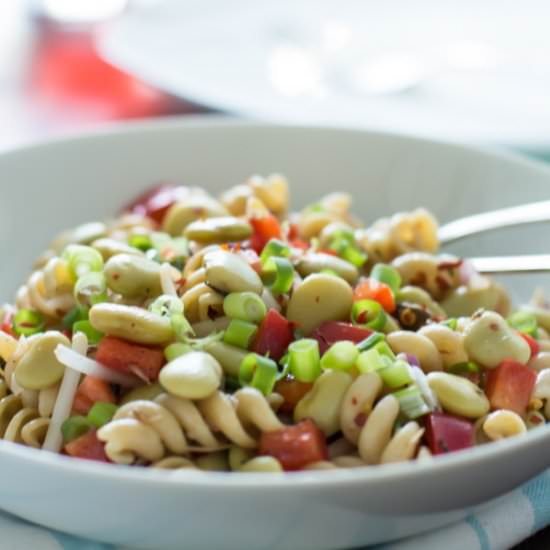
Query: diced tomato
{"points": [[293, 231], [130, 358], [510, 386], [447, 433], [87, 446], [90, 391], [156, 201], [274, 335], [295, 446], [299, 243], [6, 325], [533, 344], [265, 228], [292, 391], [330, 332], [371, 289]]}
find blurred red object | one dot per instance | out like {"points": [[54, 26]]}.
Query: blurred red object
{"points": [[67, 73]]}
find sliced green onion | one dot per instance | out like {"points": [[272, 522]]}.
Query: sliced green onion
{"points": [[396, 375], [340, 356], [168, 248], [27, 322], [384, 349], [101, 413], [370, 341], [411, 403], [82, 259], [176, 349], [166, 305], [258, 372], [452, 323], [371, 361], [388, 275], [239, 333], [76, 314], [304, 360], [181, 326], [524, 322], [74, 427], [141, 242], [464, 368], [246, 306], [346, 248], [369, 314], [93, 335], [274, 247], [90, 289], [279, 274]]}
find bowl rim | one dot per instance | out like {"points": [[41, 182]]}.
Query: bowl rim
{"points": [[379, 474]]}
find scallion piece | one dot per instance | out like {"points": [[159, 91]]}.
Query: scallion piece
{"points": [[176, 349], [396, 375], [369, 314], [93, 335], [371, 361], [27, 322], [246, 306], [259, 372], [340, 356], [181, 326], [384, 349], [274, 247], [82, 259], [304, 360], [90, 289], [141, 242], [464, 368], [101, 413], [76, 314], [346, 248], [166, 305], [74, 427], [524, 322], [370, 341], [388, 275], [239, 333], [411, 403], [278, 274], [452, 323]]}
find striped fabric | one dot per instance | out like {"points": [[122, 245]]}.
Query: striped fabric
{"points": [[496, 527]]}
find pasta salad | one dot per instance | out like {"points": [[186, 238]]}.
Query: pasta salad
{"points": [[228, 334]]}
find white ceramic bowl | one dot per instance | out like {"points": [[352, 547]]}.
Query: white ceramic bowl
{"points": [[56, 185]]}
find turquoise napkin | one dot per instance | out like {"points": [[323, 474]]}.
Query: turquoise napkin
{"points": [[498, 526]]}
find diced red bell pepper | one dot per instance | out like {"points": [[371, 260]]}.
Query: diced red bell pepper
{"points": [[295, 446], [299, 243], [292, 391], [90, 391], [371, 289], [510, 386], [87, 446], [274, 335], [533, 344], [446, 433], [130, 358], [7, 325], [265, 228], [293, 231], [156, 201], [330, 332]]}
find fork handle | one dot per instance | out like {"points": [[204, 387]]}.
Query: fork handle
{"points": [[530, 263], [506, 217]]}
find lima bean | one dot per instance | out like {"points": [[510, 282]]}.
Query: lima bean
{"points": [[228, 272], [133, 276], [314, 262], [218, 230]]}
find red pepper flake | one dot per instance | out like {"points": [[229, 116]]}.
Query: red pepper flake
{"points": [[354, 401], [442, 283], [450, 264], [360, 419]]}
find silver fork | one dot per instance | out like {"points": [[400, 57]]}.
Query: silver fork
{"points": [[506, 217]]}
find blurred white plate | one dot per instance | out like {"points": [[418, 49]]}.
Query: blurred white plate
{"points": [[466, 71]]}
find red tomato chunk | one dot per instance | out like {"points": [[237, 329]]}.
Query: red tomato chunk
{"points": [[292, 391], [295, 446], [330, 332], [265, 229], [90, 391], [510, 386], [371, 289], [129, 358], [274, 335], [533, 344], [447, 433], [87, 446]]}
